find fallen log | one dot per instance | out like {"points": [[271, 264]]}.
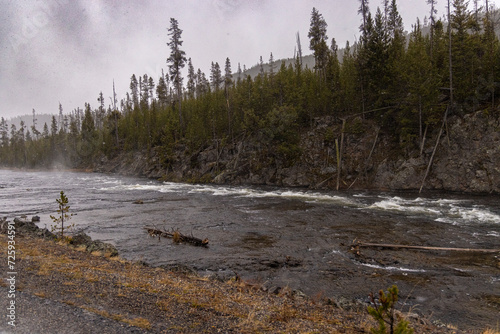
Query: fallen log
{"points": [[356, 246], [177, 237]]}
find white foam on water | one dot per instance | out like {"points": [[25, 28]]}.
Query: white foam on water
{"points": [[390, 268], [397, 204], [457, 215], [449, 211], [290, 194]]}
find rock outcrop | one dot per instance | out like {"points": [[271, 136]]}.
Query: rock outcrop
{"points": [[23, 227], [467, 159]]}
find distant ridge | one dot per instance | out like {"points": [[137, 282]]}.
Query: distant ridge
{"points": [[255, 70], [28, 121]]}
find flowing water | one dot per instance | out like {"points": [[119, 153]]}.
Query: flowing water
{"points": [[293, 238]]}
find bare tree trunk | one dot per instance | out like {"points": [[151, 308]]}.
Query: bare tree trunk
{"points": [[356, 246], [339, 153], [449, 54], [371, 151], [420, 117], [435, 149], [422, 143]]}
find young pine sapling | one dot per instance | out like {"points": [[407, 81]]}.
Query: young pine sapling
{"points": [[64, 215], [383, 312]]}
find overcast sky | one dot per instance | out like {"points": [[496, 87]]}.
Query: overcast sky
{"points": [[68, 51]]}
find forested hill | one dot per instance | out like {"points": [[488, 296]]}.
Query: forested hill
{"points": [[405, 97]]}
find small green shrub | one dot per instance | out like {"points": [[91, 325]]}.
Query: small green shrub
{"points": [[383, 312], [64, 215]]}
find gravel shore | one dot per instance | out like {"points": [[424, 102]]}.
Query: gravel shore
{"points": [[42, 315], [63, 289]]}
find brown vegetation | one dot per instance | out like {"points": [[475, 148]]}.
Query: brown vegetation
{"points": [[158, 300]]}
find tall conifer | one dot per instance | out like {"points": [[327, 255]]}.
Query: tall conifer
{"points": [[176, 62]]}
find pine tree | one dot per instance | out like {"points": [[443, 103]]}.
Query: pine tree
{"points": [[45, 132], [228, 81], [144, 92], [191, 84], [4, 133], [13, 145], [151, 87], [88, 126], [36, 133], [176, 62], [349, 81], [422, 89], [53, 127], [363, 54], [228, 76], [432, 17], [365, 12], [202, 85], [396, 50], [101, 111], [261, 67], [317, 43], [64, 215], [462, 52], [240, 73], [134, 86], [161, 92], [374, 66], [216, 76], [271, 66], [491, 45], [333, 75]]}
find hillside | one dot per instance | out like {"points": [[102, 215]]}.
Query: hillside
{"points": [[466, 160], [41, 119]]}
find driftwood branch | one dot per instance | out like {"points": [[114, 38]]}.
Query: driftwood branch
{"points": [[356, 246], [177, 236]]}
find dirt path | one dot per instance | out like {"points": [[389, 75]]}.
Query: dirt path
{"points": [[42, 315]]}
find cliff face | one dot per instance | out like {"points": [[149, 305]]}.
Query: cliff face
{"points": [[467, 159]]}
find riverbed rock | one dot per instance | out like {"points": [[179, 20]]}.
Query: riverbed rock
{"points": [[81, 239], [23, 225], [45, 234], [223, 275], [102, 247]]}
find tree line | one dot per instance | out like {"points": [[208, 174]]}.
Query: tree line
{"points": [[406, 83]]}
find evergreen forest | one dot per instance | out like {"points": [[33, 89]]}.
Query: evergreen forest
{"points": [[407, 83]]}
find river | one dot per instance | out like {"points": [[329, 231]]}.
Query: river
{"points": [[295, 238]]}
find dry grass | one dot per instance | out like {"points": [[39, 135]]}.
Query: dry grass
{"points": [[137, 322], [153, 298]]}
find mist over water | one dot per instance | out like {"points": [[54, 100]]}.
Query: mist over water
{"points": [[289, 237]]}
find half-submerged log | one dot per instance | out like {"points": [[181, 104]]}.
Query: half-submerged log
{"points": [[356, 245], [177, 237]]}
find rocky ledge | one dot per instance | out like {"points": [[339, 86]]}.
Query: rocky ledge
{"points": [[467, 159], [22, 227]]}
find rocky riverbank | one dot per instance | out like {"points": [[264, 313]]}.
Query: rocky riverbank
{"points": [[121, 296], [467, 159]]}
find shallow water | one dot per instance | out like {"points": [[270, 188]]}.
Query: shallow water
{"points": [[290, 237]]}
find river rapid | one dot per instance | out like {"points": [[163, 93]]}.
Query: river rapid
{"points": [[294, 238]]}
